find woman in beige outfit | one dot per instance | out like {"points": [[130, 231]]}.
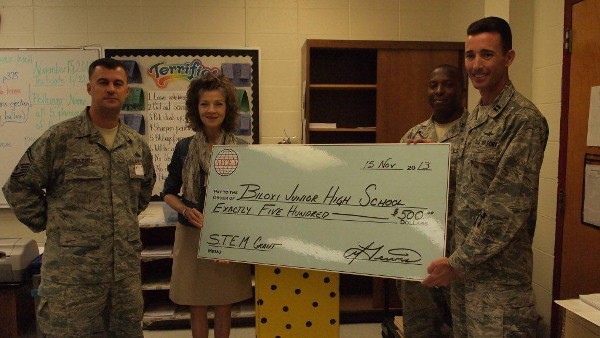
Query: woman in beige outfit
{"points": [[211, 111]]}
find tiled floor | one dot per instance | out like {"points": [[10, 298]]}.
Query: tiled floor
{"points": [[346, 331], [370, 330]]}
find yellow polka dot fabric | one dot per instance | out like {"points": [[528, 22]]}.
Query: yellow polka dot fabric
{"points": [[296, 303]]}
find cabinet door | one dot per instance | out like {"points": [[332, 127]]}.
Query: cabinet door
{"points": [[402, 78]]}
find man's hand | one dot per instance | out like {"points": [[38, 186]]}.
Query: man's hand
{"points": [[440, 273]]}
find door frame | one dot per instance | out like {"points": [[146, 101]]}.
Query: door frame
{"points": [[556, 319]]}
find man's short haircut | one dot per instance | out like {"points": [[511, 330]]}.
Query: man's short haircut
{"points": [[108, 63], [493, 24], [455, 72]]}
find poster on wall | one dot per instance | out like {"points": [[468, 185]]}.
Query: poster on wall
{"points": [[590, 213], [159, 79]]}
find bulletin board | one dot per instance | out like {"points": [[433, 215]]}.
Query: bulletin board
{"points": [[38, 88], [159, 79]]}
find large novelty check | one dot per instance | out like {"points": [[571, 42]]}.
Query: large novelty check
{"points": [[377, 209]]}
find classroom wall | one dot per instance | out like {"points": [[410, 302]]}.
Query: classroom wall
{"points": [[546, 77], [279, 28]]}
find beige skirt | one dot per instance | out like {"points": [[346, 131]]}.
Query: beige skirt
{"points": [[197, 281]]}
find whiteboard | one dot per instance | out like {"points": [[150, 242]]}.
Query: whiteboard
{"points": [[38, 88]]}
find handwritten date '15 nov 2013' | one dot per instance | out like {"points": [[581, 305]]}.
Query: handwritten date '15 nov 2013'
{"points": [[390, 164]]}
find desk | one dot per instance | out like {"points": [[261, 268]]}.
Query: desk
{"points": [[16, 309], [581, 320]]}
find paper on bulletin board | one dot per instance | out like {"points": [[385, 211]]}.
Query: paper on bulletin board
{"points": [[166, 126], [593, 137], [591, 208]]}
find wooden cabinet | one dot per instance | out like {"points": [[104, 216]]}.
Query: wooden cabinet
{"points": [[340, 96], [157, 258], [368, 92], [17, 311], [157, 233]]}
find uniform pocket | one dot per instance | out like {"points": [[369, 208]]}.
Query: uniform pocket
{"points": [[483, 163], [41, 308], [484, 156], [81, 255], [136, 177], [520, 322], [43, 317], [78, 239], [82, 168], [501, 311], [133, 237], [136, 170]]}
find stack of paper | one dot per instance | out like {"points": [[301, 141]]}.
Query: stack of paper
{"points": [[591, 299], [322, 125], [158, 251], [163, 310]]}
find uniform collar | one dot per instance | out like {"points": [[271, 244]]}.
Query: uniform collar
{"points": [[496, 107], [500, 102], [85, 128], [457, 128]]}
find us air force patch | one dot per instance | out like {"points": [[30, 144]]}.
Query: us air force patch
{"points": [[23, 165]]}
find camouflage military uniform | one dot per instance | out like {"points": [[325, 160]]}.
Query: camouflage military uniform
{"points": [[426, 311], [494, 218], [87, 198]]}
